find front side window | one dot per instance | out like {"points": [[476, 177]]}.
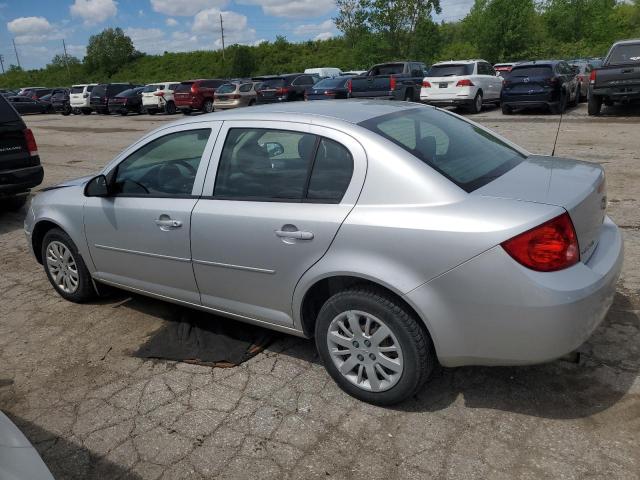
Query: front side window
{"points": [[465, 154], [166, 166]]}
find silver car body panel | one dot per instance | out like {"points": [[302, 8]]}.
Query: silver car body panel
{"points": [[18, 459], [401, 225]]}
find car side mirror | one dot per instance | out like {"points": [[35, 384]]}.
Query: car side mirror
{"points": [[274, 149], [97, 187]]}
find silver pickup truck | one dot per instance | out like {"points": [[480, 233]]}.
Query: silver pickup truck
{"points": [[618, 80]]}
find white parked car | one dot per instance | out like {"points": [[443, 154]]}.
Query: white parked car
{"points": [[325, 72], [158, 97], [79, 98], [469, 83]]}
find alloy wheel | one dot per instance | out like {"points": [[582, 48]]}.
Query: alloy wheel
{"points": [[62, 267], [365, 351]]}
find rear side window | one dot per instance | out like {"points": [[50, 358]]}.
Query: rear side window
{"points": [[332, 170], [228, 88], [99, 90], [465, 154], [625, 54], [173, 86], [7, 112], [532, 71], [247, 87], [184, 87], [451, 70], [273, 83], [389, 69]]}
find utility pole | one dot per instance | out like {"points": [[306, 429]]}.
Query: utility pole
{"points": [[66, 59], [2, 63], [16, 50], [222, 32]]}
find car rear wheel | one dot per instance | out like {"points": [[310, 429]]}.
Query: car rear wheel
{"points": [[252, 103], [208, 106], [171, 108], [372, 346], [506, 109], [65, 268], [14, 203], [594, 105], [561, 106], [151, 111], [476, 106], [86, 111], [186, 111]]}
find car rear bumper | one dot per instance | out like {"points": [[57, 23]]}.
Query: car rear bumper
{"points": [[493, 311], [443, 102], [631, 92], [20, 179], [223, 105]]}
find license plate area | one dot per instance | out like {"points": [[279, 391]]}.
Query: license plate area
{"points": [[443, 85]]}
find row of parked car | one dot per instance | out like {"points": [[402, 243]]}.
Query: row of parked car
{"points": [[471, 84]]}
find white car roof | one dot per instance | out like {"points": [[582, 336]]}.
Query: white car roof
{"points": [[458, 62]]}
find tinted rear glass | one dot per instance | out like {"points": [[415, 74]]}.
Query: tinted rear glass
{"points": [[534, 71], [126, 93], [274, 83], [228, 88], [625, 54], [7, 113], [184, 87], [332, 83], [450, 70], [99, 90], [391, 69], [465, 154], [114, 89], [152, 88], [77, 89]]}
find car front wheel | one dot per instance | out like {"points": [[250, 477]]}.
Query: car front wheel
{"points": [[372, 346], [65, 268]]}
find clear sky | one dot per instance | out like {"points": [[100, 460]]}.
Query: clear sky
{"points": [[38, 26]]}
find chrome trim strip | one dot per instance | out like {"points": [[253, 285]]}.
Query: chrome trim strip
{"points": [[236, 316], [235, 267], [145, 254]]}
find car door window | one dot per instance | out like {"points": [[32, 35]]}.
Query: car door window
{"points": [[166, 166], [246, 87], [264, 165], [331, 174]]}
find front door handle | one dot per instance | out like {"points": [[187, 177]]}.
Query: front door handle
{"points": [[167, 223], [297, 234]]}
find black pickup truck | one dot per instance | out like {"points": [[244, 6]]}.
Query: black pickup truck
{"points": [[20, 167], [618, 79], [391, 81]]}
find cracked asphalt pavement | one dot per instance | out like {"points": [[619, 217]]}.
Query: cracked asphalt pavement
{"points": [[67, 377]]}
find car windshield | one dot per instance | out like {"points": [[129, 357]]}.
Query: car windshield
{"points": [[332, 83], [464, 153], [151, 88], [7, 114], [227, 88], [625, 55], [184, 87], [450, 70], [532, 71], [273, 83]]}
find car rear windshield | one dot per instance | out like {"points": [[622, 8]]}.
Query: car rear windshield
{"points": [[451, 70], [77, 89], [625, 54], [532, 71], [332, 83], [465, 154], [7, 113], [184, 87], [227, 88], [127, 93], [388, 69], [273, 83], [152, 88]]}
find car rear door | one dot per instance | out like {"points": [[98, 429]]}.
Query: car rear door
{"points": [[139, 236], [255, 231], [14, 152]]}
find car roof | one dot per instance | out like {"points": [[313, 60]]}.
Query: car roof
{"points": [[350, 111], [539, 62], [456, 62]]}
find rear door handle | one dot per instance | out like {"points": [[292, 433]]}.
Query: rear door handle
{"points": [[297, 234]]}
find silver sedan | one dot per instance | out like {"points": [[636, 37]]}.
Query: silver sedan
{"points": [[398, 235]]}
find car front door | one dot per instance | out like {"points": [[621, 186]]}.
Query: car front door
{"points": [[271, 211], [139, 235]]}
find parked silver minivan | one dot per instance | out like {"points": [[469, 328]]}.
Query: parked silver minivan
{"points": [[396, 234], [234, 95]]}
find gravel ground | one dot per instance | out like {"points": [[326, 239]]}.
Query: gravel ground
{"points": [[68, 379]]}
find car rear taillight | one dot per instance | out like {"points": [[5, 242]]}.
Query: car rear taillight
{"points": [[426, 84], [592, 77], [548, 247], [506, 82], [30, 140], [392, 83], [349, 86], [194, 89], [159, 93], [465, 83], [282, 91], [329, 93]]}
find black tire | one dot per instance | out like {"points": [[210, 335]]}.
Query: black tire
{"points": [[85, 290], [124, 113], [151, 111], [476, 106], [561, 106], [506, 109], [171, 108], [579, 94], [186, 112], [408, 95], [86, 111], [594, 105], [252, 103], [207, 106], [66, 112], [415, 343], [576, 98], [14, 203]]}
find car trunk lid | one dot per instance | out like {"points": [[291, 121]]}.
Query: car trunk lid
{"points": [[578, 187]]}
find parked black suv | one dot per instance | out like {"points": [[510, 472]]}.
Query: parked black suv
{"points": [[20, 167], [284, 88], [127, 101], [550, 83], [101, 94], [60, 101]]}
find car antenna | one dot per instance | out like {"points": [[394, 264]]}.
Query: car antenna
{"points": [[555, 142]]}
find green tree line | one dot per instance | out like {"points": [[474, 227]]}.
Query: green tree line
{"points": [[372, 31]]}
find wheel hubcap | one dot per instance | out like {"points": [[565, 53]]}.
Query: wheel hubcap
{"points": [[365, 351], [62, 267]]}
